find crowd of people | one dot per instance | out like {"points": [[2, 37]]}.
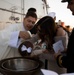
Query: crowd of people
{"points": [[48, 32]]}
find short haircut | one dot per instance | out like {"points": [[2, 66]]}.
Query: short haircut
{"points": [[32, 9], [32, 14]]}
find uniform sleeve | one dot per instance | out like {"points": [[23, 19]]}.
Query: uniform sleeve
{"points": [[14, 40]]}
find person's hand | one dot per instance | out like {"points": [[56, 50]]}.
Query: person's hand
{"points": [[24, 34]]}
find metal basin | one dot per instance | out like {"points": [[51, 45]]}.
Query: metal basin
{"points": [[19, 66]]}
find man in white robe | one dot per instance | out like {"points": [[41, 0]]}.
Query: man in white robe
{"points": [[11, 37]]}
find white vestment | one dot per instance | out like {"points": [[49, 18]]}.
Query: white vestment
{"points": [[9, 42]]}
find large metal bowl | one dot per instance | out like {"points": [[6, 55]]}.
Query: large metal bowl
{"points": [[19, 66]]}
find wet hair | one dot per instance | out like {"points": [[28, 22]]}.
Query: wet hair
{"points": [[32, 14], [47, 30]]}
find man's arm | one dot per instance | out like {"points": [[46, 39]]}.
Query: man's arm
{"points": [[17, 37]]}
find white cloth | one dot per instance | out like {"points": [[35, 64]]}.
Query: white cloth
{"points": [[24, 48], [13, 41], [58, 46], [48, 72], [6, 38], [67, 74]]}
